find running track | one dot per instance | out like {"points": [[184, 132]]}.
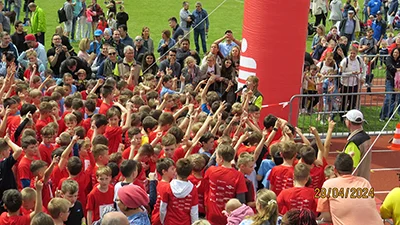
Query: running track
{"points": [[385, 165]]}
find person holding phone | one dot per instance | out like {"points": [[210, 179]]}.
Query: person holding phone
{"points": [[57, 54]]}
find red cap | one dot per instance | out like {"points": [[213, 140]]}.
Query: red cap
{"points": [[30, 37]]}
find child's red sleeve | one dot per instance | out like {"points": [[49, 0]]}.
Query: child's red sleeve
{"points": [[241, 185], [90, 202]]}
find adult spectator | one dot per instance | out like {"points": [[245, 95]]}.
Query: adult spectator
{"points": [[125, 39], [57, 54], [30, 40], [191, 71], [64, 39], [18, 38], [77, 4], [171, 63], [6, 45], [8, 59], [95, 45], [98, 12], [347, 28], [358, 143], [107, 36], [214, 50], [29, 63], [176, 29], [353, 74], [186, 19], [347, 7], [373, 7], [200, 26], [210, 68], [149, 64], [368, 44], [4, 20], [226, 46], [100, 57], [115, 218], [83, 54], [17, 8], [72, 65], [131, 200], [392, 67], [333, 35], [122, 17], [336, 11], [379, 27], [107, 67], [38, 22], [126, 65], [393, 7], [140, 50], [147, 40], [69, 12], [183, 52], [320, 11], [165, 43], [117, 44], [336, 208], [390, 206]]}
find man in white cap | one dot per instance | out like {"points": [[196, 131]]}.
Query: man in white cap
{"points": [[358, 143]]}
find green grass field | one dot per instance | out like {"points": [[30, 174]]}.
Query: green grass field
{"points": [[155, 14]]}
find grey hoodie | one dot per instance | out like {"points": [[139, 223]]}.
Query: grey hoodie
{"points": [[180, 189]]}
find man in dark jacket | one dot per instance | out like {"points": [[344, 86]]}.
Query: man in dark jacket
{"points": [[72, 65], [347, 28]]}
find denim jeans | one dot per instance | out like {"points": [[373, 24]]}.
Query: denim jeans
{"points": [[202, 34], [74, 20], [391, 100], [17, 12]]}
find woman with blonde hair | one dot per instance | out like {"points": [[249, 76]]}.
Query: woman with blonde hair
{"points": [[191, 72], [252, 95], [84, 45], [267, 209]]}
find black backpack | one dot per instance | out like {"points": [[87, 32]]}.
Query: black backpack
{"points": [[62, 16]]}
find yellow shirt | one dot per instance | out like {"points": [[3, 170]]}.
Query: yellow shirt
{"points": [[391, 206]]}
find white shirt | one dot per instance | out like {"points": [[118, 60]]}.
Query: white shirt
{"points": [[356, 65]]}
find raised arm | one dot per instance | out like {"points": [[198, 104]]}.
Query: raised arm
{"points": [[67, 152], [321, 148], [39, 203], [49, 170], [327, 145]]}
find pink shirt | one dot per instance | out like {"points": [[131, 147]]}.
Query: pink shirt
{"points": [[351, 210]]}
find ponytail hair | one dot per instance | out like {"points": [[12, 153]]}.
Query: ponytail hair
{"points": [[267, 207]]}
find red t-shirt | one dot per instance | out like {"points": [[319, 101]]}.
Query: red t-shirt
{"points": [[25, 212], [83, 180], [317, 175], [97, 200], [12, 124], [45, 152], [221, 185], [244, 148], [40, 124], [178, 209], [162, 187], [280, 178], [114, 136], [104, 107], [297, 198], [58, 174], [46, 191], [24, 170], [127, 152], [199, 184], [86, 124], [14, 220]]}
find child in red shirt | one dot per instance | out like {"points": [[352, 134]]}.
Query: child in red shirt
{"points": [[166, 168], [40, 170], [299, 196], [29, 145], [70, 122], [165, 122], [101, 196], [45, 109], [29, 201], [134, 134], [47, 145], [101, 157], [199, 162], [13, 201], [107, 95], [281, 177], [113, 131], [222, 183], [59, 209], [179, 204]]}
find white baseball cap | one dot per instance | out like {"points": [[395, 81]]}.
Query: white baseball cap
{"points": [[354, 116]]}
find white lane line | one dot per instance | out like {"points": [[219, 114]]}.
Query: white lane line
{"points": [[384, 169], [381, 192], [376, 151]]}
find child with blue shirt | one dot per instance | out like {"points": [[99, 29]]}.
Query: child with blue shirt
{"points": [[268, 164]]}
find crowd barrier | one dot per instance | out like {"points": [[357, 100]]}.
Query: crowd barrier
{"points": [[335, 105]]}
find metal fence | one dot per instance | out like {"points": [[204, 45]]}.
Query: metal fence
{"points": [[335, 105]]}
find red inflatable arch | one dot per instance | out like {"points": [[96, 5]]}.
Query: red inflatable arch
{"points": [[273, 47]]}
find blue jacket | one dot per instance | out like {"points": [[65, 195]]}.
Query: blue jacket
{"points": [[198, 17]]}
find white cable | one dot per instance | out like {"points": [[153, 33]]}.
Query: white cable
{"points": [[191, 30], [376, 139]]}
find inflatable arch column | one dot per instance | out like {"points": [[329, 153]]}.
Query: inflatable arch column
{"points": [[273, 47]]}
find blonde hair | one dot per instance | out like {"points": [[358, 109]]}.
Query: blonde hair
{"points": [[245, 158], [201, 222], [31, 53], [28, 194], [189, 59], [267, 207], [57, 206], [84, 44]]}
